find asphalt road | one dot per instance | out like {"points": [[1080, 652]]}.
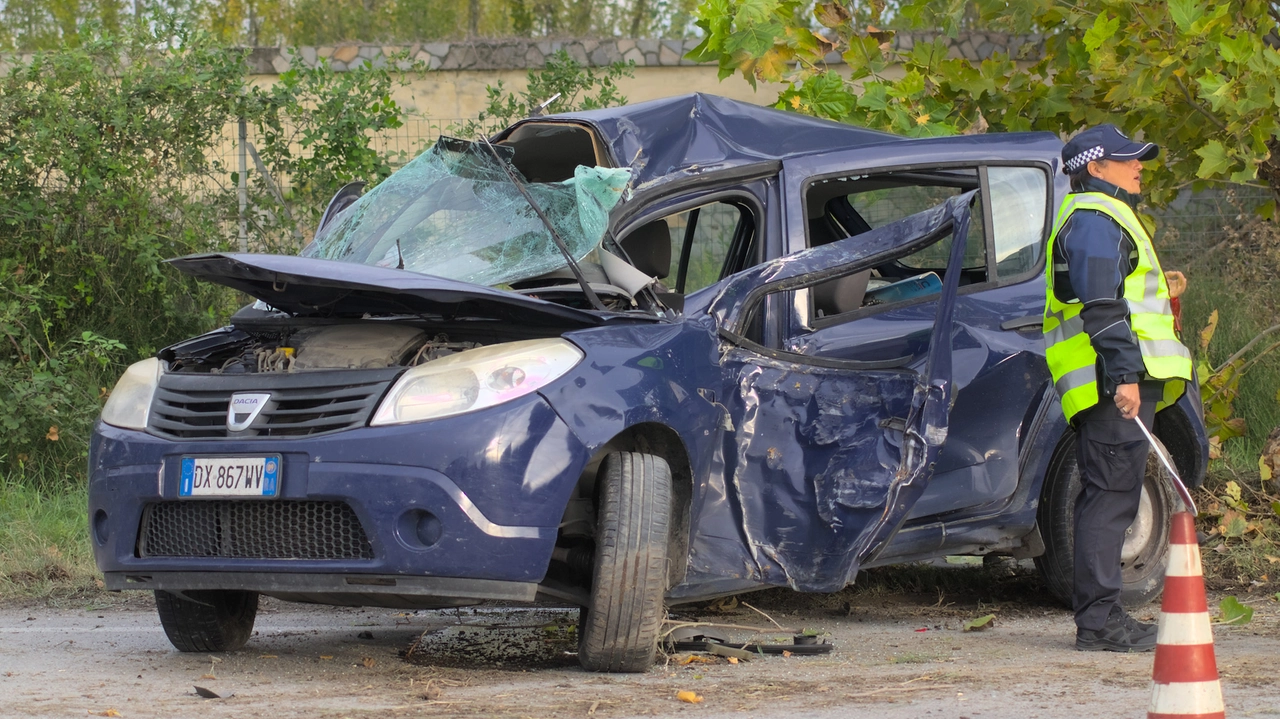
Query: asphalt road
{"points": [[894, 657]]}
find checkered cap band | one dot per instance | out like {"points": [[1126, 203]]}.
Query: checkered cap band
{"points": [[1084, 158]]}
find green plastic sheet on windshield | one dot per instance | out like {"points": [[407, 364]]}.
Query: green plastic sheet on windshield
{"points": [[453, 212]]}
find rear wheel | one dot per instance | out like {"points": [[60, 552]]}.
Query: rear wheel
{"points": [[207, 621], [619, 630], [1146, 541]]}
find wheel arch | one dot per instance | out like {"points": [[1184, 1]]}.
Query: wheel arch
{"points": [[662, 441]]}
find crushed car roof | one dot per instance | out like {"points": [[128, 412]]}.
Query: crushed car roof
{"points": [[674, 135]]}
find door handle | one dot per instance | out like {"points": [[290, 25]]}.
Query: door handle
{"points": [[1029, 322]]}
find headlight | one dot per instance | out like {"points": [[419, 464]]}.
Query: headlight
{"points": [[475, 379], [130, 402]]}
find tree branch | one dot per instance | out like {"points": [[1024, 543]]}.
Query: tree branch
{"points": [[1244, 350], [1190, 100]]}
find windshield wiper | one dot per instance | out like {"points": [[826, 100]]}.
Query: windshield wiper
{"points": [[555, 236]]}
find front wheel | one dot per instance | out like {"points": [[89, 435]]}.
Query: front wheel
{"points": [[207, 621], [1146, 541], [619, 630]]}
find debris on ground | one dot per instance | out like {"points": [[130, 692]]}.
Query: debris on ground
{"points": [[980, 623]]}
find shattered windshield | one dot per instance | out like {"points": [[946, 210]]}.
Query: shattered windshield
{"points": [[453, 212]]}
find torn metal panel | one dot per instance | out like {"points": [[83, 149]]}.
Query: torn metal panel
{"points": [[810, 464], [826, 461]]}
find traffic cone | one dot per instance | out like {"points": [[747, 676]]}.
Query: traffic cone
{"points": [[1184, 680]]}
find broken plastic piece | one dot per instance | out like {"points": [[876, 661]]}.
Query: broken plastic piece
{"points": [[798, 649]]}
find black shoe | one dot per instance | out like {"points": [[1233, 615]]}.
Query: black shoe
{"points": [[1139, 629], [1121, 633]]}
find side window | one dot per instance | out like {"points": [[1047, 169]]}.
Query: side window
{"points": [[1018, 198], [847, 207], [708, 243]]}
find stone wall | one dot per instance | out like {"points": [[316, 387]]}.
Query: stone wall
{"points": [[520, 54]]}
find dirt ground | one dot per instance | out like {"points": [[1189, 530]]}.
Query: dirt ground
{"points": [[895, 655]]}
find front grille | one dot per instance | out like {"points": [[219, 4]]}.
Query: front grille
{"points": [[252, 529], [303, 404]]}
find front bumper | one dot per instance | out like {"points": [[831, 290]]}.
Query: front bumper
{"points": [[494, 482], [340, 589]]}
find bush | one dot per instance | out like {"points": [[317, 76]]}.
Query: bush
{"points": [[106, 157], [99, 147]]}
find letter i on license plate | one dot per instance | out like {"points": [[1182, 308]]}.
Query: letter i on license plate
{"points": [[230, 476]]}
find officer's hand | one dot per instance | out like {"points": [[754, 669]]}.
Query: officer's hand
{"points": [[1128, 401], [1177, 282]]}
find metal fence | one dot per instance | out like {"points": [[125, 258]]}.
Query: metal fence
{"points": [[1197, 221], [260, 205]]}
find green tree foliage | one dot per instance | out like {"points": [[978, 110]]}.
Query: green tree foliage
{"points": [[314, 126], [1201, 78], [53, 23], [48, 24]]}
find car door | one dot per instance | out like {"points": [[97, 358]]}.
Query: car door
{"points": [[823, 457], [1001, 382]]}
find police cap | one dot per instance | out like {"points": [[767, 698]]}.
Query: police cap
{"points": [[1104, 142]]}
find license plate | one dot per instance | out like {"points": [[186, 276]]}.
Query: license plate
{"points": [[230, 476]]}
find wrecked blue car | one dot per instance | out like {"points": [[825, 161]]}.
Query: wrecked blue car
{"points": [[619, 359]]}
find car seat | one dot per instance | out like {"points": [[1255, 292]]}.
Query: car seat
{"points": [[843, 294], [649, 248]]}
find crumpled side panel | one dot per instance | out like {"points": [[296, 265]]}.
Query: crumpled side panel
{"points": [[453, 212], [810, 463]]}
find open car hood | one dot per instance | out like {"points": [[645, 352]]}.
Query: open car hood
{"points": [[328, 288]]}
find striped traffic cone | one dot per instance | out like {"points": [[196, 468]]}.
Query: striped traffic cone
{"points": [[1184, 681]]}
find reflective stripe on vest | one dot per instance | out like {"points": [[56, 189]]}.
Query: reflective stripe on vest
{"points": [[1071, 357]]}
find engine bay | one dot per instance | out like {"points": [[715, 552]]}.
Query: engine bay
{"points": [[330, 346]]}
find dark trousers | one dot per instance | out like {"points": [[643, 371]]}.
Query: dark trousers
{"points": [[1112, 453]]}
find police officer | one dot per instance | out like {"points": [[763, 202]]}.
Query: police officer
{"points": [[1114, 355]]}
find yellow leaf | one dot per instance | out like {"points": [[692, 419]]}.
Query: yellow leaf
{"points": [[369, 662], [795, 102], [832, 15], [786, 653], [770, 66], [695, 658], [326, 656], [52, 436], [733, 660], [689, 697], [110, 713], [1206, 334], [1263, 468]]}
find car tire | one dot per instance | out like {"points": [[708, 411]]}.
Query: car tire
{"points": [[1146, 547], [207, 621], [618, 632]]}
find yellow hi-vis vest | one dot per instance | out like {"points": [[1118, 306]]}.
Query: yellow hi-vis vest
{"points": [[1072, 359]]}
